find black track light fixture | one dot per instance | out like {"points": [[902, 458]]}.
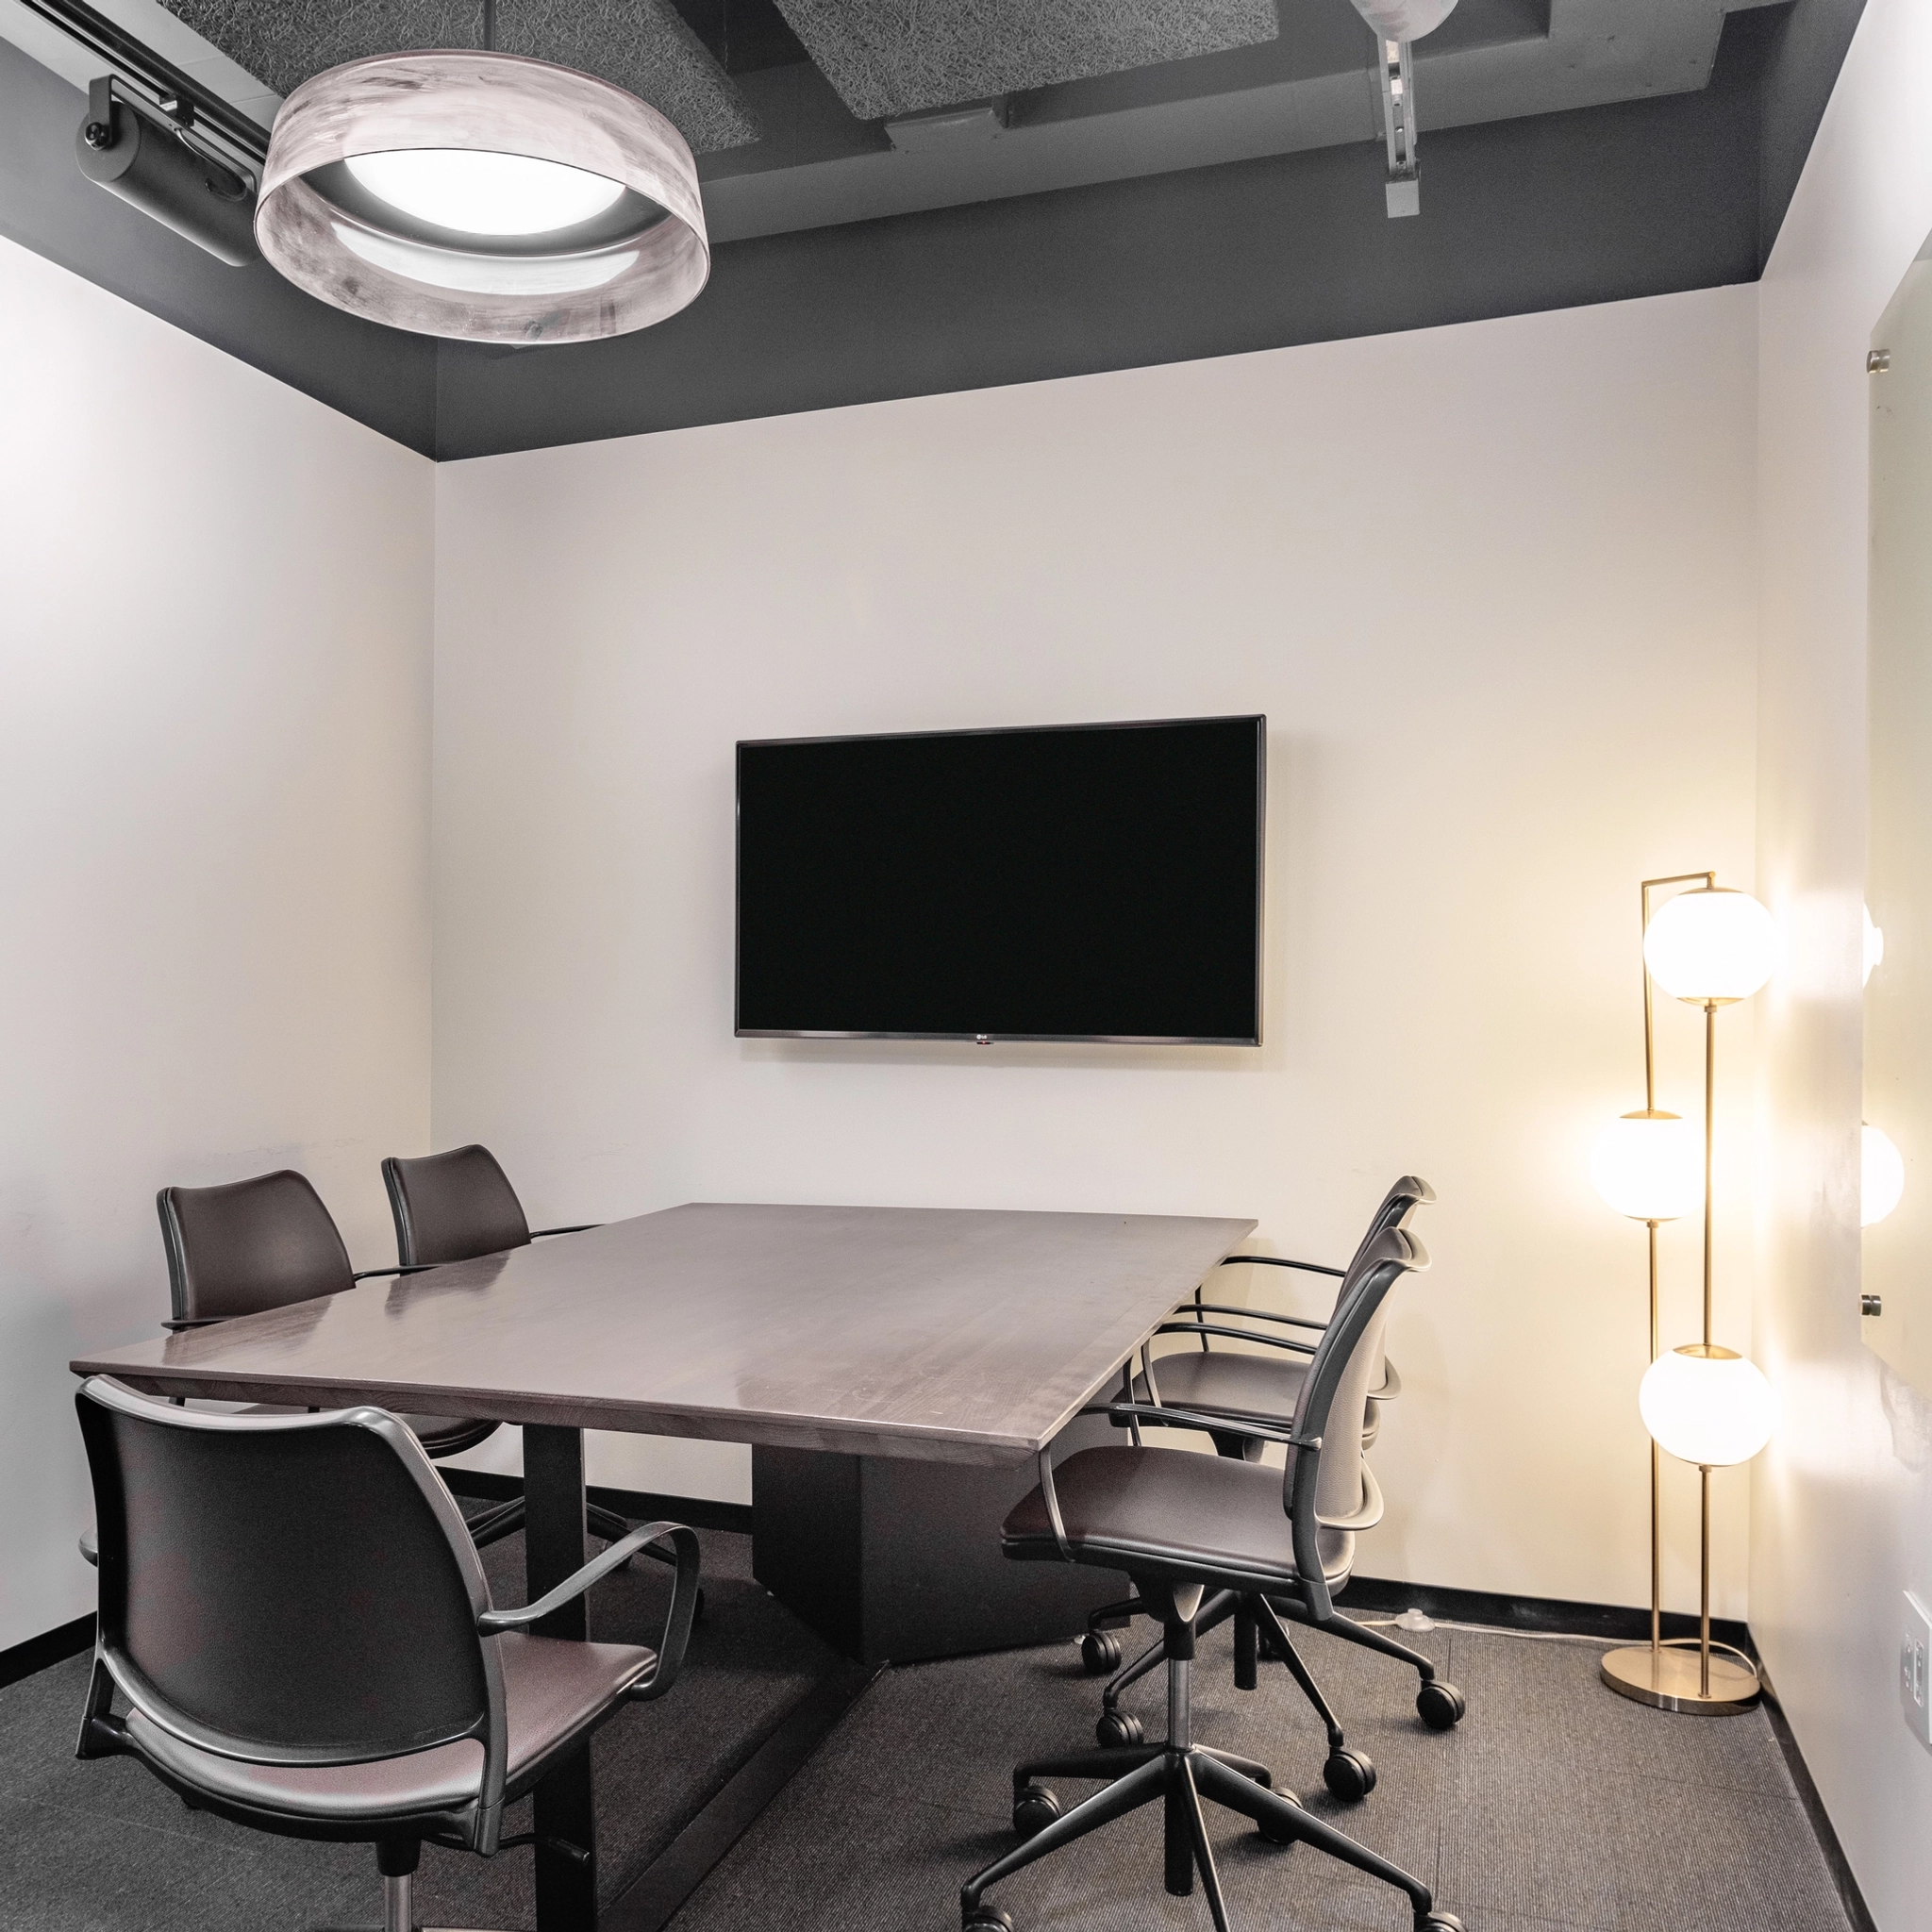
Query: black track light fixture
{"points": [[147, 156]]}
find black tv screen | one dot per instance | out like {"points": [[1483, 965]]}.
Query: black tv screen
{"points": [[1075, 882]]}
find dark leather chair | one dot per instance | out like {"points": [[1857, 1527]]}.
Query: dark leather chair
{"points": [[266, 1243], [1232, 1390], [1182, 1525], [334, 1670], [458, 1206]]}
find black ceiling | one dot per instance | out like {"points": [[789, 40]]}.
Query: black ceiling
{"points": [[1541, 211]]}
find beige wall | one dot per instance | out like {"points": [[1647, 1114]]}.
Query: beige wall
{"points": [[1844, 1495], [214, 955], [1495, 587]]}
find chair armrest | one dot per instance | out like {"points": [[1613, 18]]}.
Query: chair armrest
{"points": [[1187, 1309], [1159, 1415], [1368, 1515], [409, 1268], [1391, 1384], [175, 1326], [537, 1234], [1235, 1335], [91, 1547], [677, 1619], [1278, 1261], [600, 1566]]}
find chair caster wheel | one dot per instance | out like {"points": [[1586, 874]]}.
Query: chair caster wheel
{"points": [[1349, 1776], [1100, 1651], [1116, 1729], [1438, 1922], [1440, 1705], [1034, 1808], [1278, 1831], [987, 1918]]}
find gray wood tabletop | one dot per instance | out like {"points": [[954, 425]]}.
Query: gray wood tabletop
{"points": [[953, 1334]]}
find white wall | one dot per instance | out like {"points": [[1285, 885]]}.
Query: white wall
{"points": [[214, 956], [1843, 1496], [1495, 587]]}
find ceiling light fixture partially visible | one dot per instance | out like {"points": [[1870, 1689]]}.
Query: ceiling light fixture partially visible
{"points": [[483, 197], [1397, 23]]}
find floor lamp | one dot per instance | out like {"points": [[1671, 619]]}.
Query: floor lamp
{"points": [[1705, 1404]]}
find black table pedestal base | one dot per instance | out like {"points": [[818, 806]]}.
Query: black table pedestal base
{"points": [[891, 1559]]}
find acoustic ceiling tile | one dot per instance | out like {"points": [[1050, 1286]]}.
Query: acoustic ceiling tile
{"points": [[642, 45], [899, 56]]}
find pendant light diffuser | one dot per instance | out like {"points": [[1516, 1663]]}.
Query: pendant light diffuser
{"points": [[482, 196]]}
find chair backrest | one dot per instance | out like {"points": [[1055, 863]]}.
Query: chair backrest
{"points": [[453, 1207], [286, 1589], [252, 1244], [1410, 1192], [1346, 1366]]}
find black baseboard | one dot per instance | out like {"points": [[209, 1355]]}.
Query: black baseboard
{"points": [[640, 1505], [1615, 1622], [1840, 1866], [50, 1647]]}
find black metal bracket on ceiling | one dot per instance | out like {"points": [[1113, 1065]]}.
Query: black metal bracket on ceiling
{"points": [[173, 93]]}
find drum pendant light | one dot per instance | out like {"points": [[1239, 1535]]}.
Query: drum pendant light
{"points": [[482, 196]]}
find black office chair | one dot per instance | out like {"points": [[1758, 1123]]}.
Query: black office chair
{"points": [[266, 1243], [1231, 1390], [455, 1206], [332, 1670], [1182, 1525]]}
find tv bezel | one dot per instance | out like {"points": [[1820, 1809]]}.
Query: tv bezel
{"points": [[1258, 719]]}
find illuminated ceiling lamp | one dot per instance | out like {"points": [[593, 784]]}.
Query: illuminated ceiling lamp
{"points": [[482, 196]]}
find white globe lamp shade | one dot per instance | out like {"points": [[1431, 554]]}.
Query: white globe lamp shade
{"points": [[1649, 1166], [1875, 944], [1708, 1406], [1711, 944], [1881, 1175]]}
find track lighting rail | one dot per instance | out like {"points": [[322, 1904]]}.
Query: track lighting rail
{"points": [[133, 62]]}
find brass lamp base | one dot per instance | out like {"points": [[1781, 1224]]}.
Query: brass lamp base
{"points": [[1670, 1679]]}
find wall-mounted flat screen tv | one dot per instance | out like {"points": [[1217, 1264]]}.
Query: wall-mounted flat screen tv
{"points": [[1068, 882]]}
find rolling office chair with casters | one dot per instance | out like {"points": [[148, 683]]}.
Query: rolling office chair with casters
{"points": [[1229, 1404], [458, 1206], [335, 1671], [1182, 1525], [1220, 1381], [268, 1242]]}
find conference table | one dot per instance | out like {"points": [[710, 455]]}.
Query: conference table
{"points": [[950, 1336]]}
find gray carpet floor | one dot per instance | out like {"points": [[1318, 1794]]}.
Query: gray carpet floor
{"points": [[1554, 1804]]}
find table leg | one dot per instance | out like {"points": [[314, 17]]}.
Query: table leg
{"points": [[552, 1549]]}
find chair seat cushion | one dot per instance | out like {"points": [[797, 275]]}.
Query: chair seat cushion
{"points": [[1206, 1517], [447, 1434], [553, 1690], [1222, 1382]]}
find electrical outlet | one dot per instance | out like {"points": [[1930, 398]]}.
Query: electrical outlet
{"points": [[1914, 1660]]}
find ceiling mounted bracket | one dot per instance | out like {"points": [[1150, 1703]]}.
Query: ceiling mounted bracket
{"points": [[1404, 187]]}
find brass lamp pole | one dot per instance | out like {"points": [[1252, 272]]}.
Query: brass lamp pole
{"points": [[1696, 1391]]}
